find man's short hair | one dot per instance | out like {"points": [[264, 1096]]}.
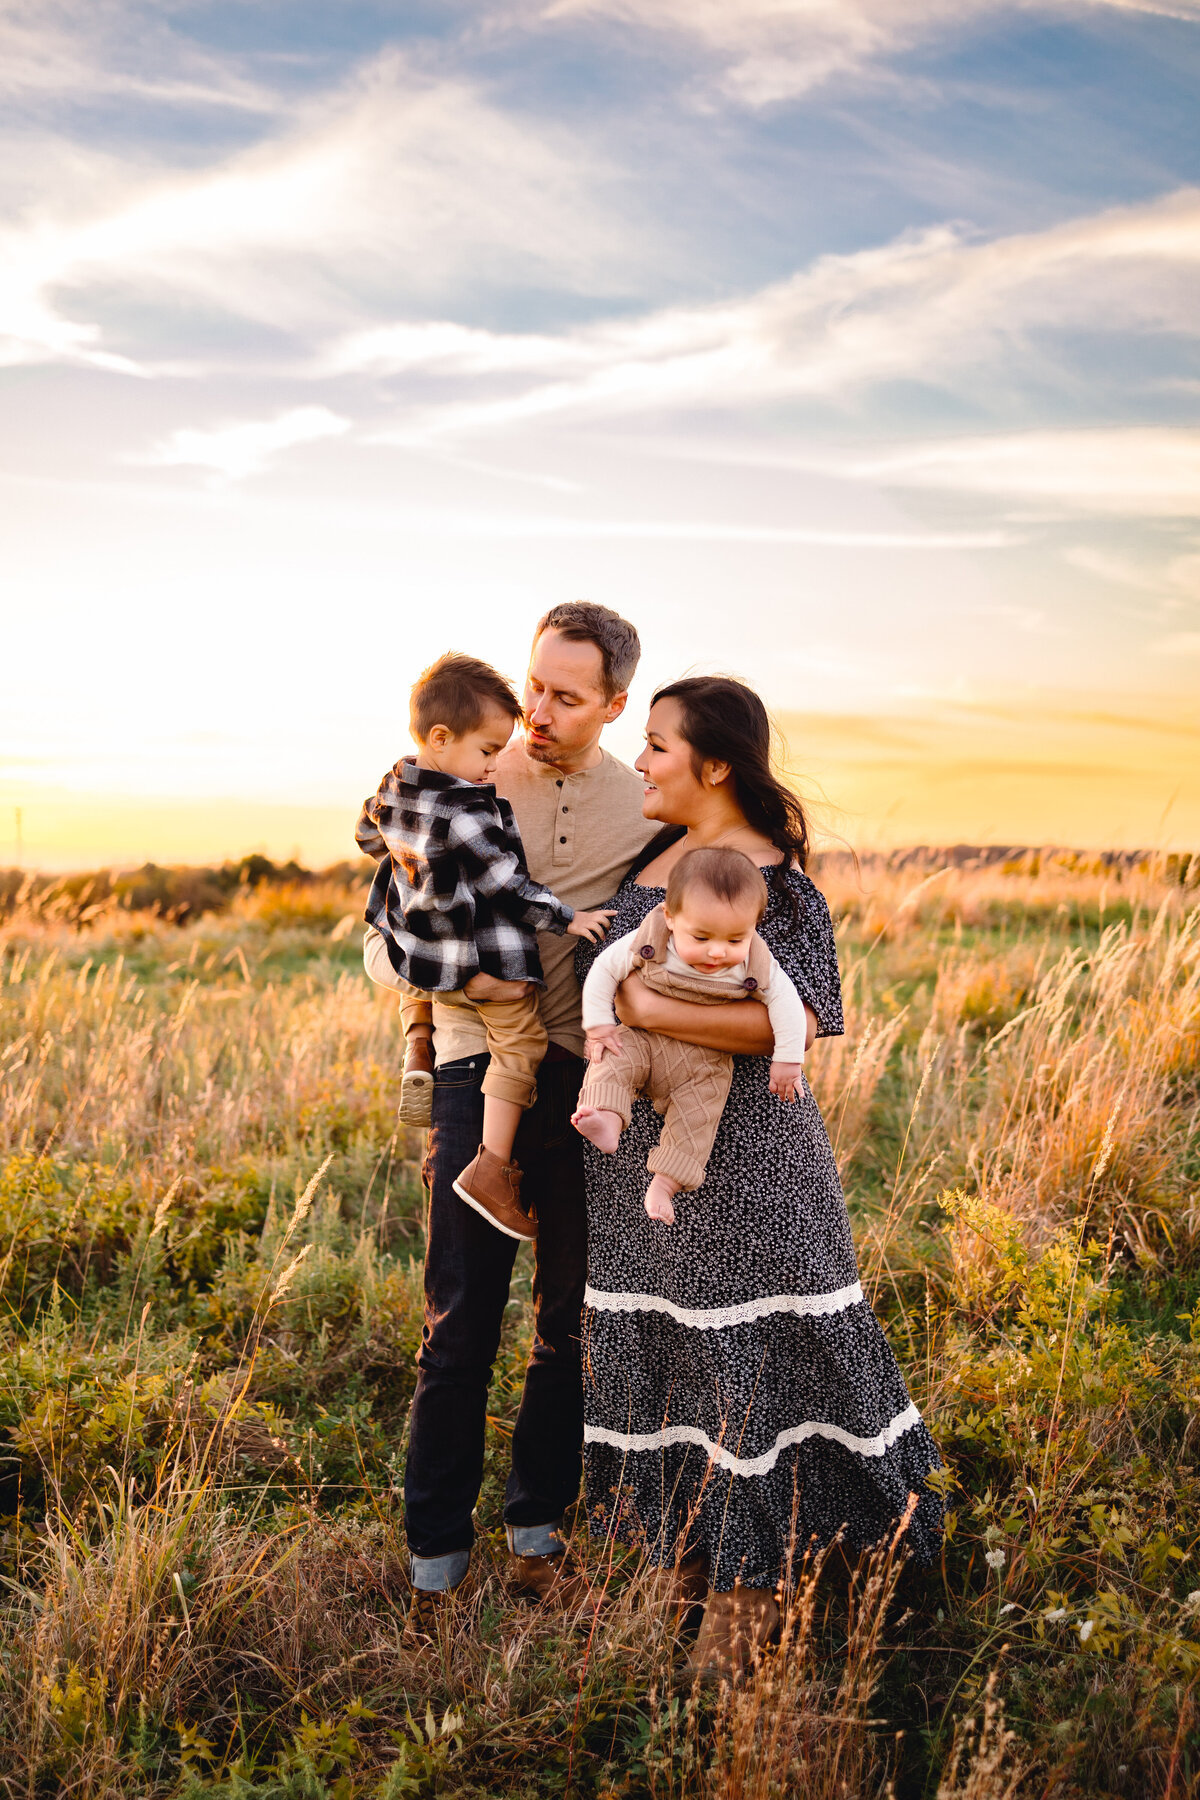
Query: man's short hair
{"points": [[727, 875], [583, 622], [458, 692]]}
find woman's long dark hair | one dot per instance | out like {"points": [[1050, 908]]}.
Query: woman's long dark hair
{"points": [[724, 720]]}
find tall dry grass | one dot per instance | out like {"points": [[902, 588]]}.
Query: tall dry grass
{"points": [[206, 1358], [172, 1046], [1051, 1077]]}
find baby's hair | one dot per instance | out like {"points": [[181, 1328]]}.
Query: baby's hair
{"points": [[726, 874], [458, 691]]}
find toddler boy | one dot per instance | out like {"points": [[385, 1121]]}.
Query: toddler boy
{"points": [[452, 899]]}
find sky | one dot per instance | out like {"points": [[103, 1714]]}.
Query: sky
{"points": [[848, 346]]}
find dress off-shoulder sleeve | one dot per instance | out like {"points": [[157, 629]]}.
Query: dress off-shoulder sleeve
{"points": [[805, 950]]}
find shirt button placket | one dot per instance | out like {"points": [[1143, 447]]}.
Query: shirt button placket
{"points": [[564, 823]]}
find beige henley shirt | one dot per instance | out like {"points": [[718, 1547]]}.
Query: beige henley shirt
{"points": [[581, 832]]}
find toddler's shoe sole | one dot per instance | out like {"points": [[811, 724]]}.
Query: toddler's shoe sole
{"points": [[416, 1098]]}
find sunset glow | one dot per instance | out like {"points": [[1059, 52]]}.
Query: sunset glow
{"points": [[849, 346]]}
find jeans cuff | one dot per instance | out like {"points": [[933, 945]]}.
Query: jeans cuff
{"points": [[438, 1574], [535, 1540]]}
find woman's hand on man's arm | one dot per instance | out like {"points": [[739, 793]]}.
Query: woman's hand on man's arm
{"points": [[741, 1027]]}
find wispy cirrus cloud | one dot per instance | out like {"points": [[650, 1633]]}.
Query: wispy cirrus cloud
{"points": [[52, 50], [1169, 586], [1187, 10], [931, 306], [770, 50], [400, 182], [1147, 471], [395, 183], [1117, 571], [245, 447], [442, 344], [718, 531], [767, 51]]}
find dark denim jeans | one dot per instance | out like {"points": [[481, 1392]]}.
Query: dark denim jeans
{"points": [[468, 1267]]}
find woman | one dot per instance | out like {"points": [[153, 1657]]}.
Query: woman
{"points": [[740, 1397]]}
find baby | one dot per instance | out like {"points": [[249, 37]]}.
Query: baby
{"points": [[452, 900], [700, 944]]}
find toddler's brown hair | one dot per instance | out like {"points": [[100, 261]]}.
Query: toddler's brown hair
{"points": [[456, 691], [727, 875]]}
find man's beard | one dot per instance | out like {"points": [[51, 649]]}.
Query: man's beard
{"points": [[546, 752]]}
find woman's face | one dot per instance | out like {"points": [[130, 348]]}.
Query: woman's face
{"points": [[665, 765]]}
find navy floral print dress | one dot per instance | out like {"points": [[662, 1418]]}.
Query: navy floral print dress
{"points": [[740, 1398]]}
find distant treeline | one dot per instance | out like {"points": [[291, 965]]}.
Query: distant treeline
{"points": [[178, 892], [1023, 859], [181, 891]]}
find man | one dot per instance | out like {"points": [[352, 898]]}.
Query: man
{"points": [[579, 811]]}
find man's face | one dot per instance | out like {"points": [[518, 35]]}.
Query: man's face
{"points": [[565, 704]]}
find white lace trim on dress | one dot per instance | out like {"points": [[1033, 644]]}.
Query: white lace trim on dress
{"points": [[755, 1465], [713, 1318]]}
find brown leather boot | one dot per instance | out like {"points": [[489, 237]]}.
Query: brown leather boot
{"points": [[735, 1629], [416, 1083], [493, 1188], [550, 1581], [428, 1614]]}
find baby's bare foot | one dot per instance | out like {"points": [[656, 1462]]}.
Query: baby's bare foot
{"points": [[658, 1200], [599, 1127]]}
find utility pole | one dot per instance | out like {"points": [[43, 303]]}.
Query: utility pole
{"points": [[20, 844]]}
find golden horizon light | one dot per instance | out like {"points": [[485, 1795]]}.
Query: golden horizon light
{"points": [[852, 349]]}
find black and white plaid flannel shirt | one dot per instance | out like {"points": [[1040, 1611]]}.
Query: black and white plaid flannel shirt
{"points": [[452, 896]]}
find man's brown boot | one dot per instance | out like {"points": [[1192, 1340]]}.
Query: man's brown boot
{"points": [[428, 1612], [546, 1580], [416, 1083], [736, 1627], [493, 1188]]}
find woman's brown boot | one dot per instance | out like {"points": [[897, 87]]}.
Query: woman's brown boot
{"points": [[736, 1627]]}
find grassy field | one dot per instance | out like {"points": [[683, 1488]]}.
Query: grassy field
{"points": [[210, 1239]]}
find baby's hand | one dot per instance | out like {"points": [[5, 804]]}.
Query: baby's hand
{"points": [[590, 925], [785, 1079], [603, 1040]]}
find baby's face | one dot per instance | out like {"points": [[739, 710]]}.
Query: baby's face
{"points": [[472, 756], [710, 934]]}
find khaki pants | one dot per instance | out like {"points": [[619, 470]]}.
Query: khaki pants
{"points": [[687, 1083], [516, 1041], [516, 1037]]}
